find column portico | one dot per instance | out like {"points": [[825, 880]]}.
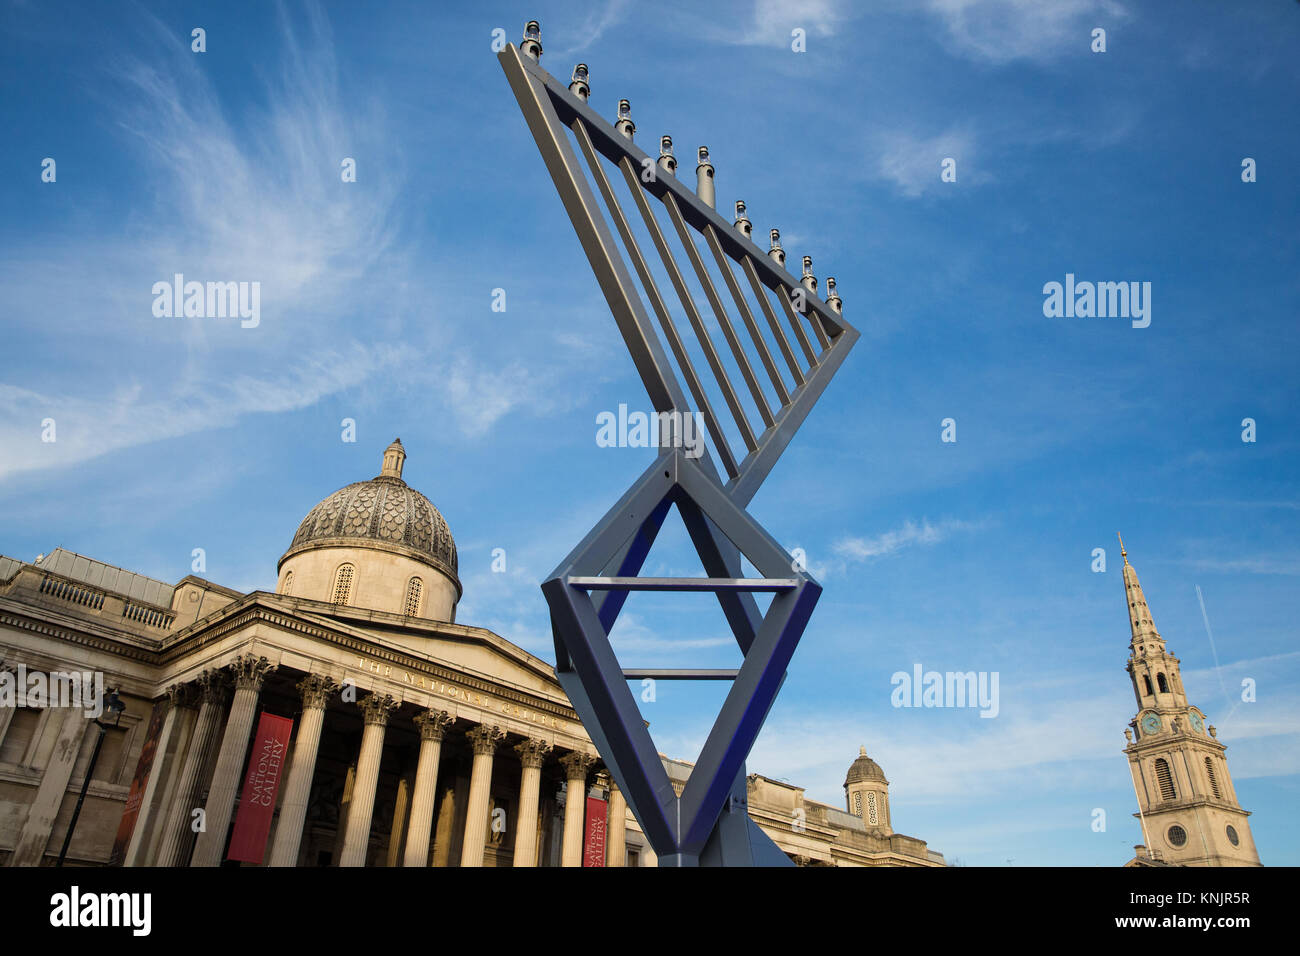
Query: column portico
{"points": [[315, 690], [532, 754], [214, 690], [249, 674], [180, 698], [376, 711], [616, 848], [484, 739], [575, 765], [433, 726]]}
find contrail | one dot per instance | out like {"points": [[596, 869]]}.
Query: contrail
{"points": [[1213, 649]]}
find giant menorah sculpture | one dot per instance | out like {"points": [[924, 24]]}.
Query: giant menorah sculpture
{"points": [[708, 824]]}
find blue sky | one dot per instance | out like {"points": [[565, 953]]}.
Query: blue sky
{"points": [[175, 434]]}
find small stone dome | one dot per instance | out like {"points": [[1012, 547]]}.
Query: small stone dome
{"points": [[864, 768], [383, 512]]}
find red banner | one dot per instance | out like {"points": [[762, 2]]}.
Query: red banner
{"points": [[593, 847], [143, 767], [261, 784]]}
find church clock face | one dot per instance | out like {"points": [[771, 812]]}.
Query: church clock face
{"points": [[1198, 725], [1150, 724]]}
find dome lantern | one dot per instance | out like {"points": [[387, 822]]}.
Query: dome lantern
{"points": [[394, 458]]}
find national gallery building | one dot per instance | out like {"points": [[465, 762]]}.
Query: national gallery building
{"points": [[345, 720]]}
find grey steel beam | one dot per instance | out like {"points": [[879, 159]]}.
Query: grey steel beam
{"points": [[747, 266], [600, 583], [594, 235], [693, 315], [783, 295], [724, 323], [756, 466], [676, 673], [698, 214], [746, 315]]}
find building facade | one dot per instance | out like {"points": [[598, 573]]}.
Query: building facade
{"points": [[1187, 804], [416, 740]]}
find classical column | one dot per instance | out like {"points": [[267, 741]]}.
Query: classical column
{"points": [[397, 829], [532, 753], [484, 740], [249, 672], [616, 847], [433, 726], [173, 850], [575, 766], [180, 698], [376, 711], [71, 726], [315, 690]]}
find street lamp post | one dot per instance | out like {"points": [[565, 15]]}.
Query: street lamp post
{"points": [[114, 708]]}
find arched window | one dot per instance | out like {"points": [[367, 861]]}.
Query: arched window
{"points": [[1162, 683], [1165, 779], [287, 587], [343, 584], [1146, 683], [1214, 783], [413, 589], [873, 815]]}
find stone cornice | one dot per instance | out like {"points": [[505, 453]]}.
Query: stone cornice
{"points": [[86, 633]]}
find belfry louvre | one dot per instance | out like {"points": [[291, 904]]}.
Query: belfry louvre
{"points": [[416, 740]]}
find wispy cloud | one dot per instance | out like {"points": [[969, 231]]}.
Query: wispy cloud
{"points": [[772, 21], [594, 26], [1001, 31], [911, 534], [914, 163]]}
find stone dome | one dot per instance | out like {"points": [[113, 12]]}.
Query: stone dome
{"points": [[383, 512], [864, 768]]}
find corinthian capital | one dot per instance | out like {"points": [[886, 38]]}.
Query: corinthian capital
{"points": [[183, 695], [532, 752], [214, 687], [576, 765], [249, 672], [433, 724], [376, 709], [484, 738], [315, 690]]}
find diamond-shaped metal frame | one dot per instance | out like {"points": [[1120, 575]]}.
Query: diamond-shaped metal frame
{"points": [[596, 683]]}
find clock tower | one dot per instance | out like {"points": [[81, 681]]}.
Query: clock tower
{"points": [[1186, 801]]}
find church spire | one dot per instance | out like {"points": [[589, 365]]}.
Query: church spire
{"points": [[1141, 625]]}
